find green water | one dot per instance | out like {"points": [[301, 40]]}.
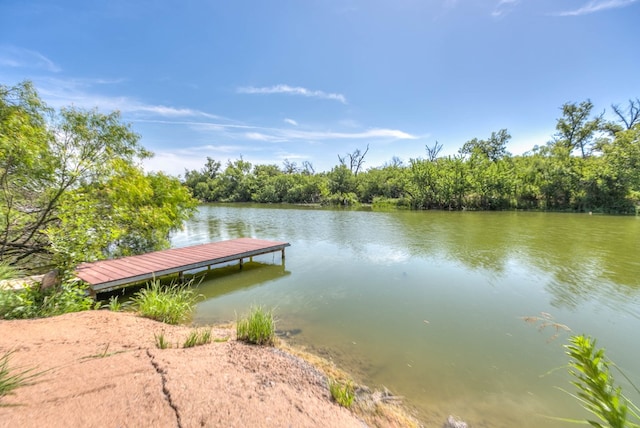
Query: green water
{"points": [[429, 304]]}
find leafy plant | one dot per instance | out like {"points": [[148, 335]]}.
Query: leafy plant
{"points": [[342, 392], [197, 338], [597, 391], [257, 327], [171, 304], [31, 302], [161, 341], [10, 380]]}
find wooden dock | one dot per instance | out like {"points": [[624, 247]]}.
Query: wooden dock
{"points": [[108, 275]]}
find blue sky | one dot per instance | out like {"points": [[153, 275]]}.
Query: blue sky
{"points": [[306, 80]]}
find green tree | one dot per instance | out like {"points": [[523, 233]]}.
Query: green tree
{"points": [[576, 129], [72, 187]]}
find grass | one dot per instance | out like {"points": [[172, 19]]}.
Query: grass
{"points": [[8, 272], [11, 380], [197, 337], [257, 327], [161, 341], [171, 304], [342, 392]]}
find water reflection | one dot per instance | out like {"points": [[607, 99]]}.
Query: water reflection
{"points": [[430, 303]]}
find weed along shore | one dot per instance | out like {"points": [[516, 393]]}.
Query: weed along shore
{"points": [[85, 368]]}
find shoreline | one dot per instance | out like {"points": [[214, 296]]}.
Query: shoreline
{"points": [[99, 365]]}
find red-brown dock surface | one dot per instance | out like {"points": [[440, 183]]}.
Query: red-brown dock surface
{"points": [[106, 275]]}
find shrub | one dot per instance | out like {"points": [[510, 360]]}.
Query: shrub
{"points": [[31, 302], [257, 327], [171, 304]]}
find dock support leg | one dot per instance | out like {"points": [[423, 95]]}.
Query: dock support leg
{"points": [[283, 254], [241, 262], [181, 277]]}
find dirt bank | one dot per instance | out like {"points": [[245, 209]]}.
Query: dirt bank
{"points": [[103, 369]]}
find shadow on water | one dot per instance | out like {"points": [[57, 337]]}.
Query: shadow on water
{"points": [[231, 279]]}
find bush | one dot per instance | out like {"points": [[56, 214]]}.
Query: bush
{"points": [[31, 302], [171, 304], [257, 327]]}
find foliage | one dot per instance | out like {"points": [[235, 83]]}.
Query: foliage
{"points": [[32, 302], [590, 165], [10, 379], [72, 189], [197, 337], [597, 391], [258, 327], [171, 304], [7, 271], [342, 392]]}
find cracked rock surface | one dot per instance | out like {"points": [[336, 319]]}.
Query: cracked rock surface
{"points": [[102, 369]]}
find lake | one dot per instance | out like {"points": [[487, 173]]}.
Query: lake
{"points": [[430, 304]]}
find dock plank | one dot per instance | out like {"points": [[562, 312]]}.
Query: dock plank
{"points": [[106, 275]]}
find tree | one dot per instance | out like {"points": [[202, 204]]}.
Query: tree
{"points": [[433, 151], [72, 188], [356, 160], [494, 148], [575, 129]]}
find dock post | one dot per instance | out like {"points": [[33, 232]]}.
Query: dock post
{"points": [[282, 253], [240, 263]]}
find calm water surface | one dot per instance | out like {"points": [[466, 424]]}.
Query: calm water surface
{"points": [[430, 304]]}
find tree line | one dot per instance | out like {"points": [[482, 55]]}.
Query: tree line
{"points": [[590, 164]]}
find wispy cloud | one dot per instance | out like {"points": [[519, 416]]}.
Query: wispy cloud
{"points": [[290, 121], [504, 7], [13, 56], [263, 133], [292, 90], [595, 6], [81, 93]]}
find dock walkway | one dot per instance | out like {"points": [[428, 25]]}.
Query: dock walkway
{"points": [[107, 275]]}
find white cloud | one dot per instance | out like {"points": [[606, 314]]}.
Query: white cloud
{"points": [[12, 56], [79, 93], [290, 121], [504, 7], [596, 6], [292, 90]]}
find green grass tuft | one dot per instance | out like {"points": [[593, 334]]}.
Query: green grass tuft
{"points": [[161, 341], [197, 338], [342, 392], [10, 380], [171, 304], [257, 327]]}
